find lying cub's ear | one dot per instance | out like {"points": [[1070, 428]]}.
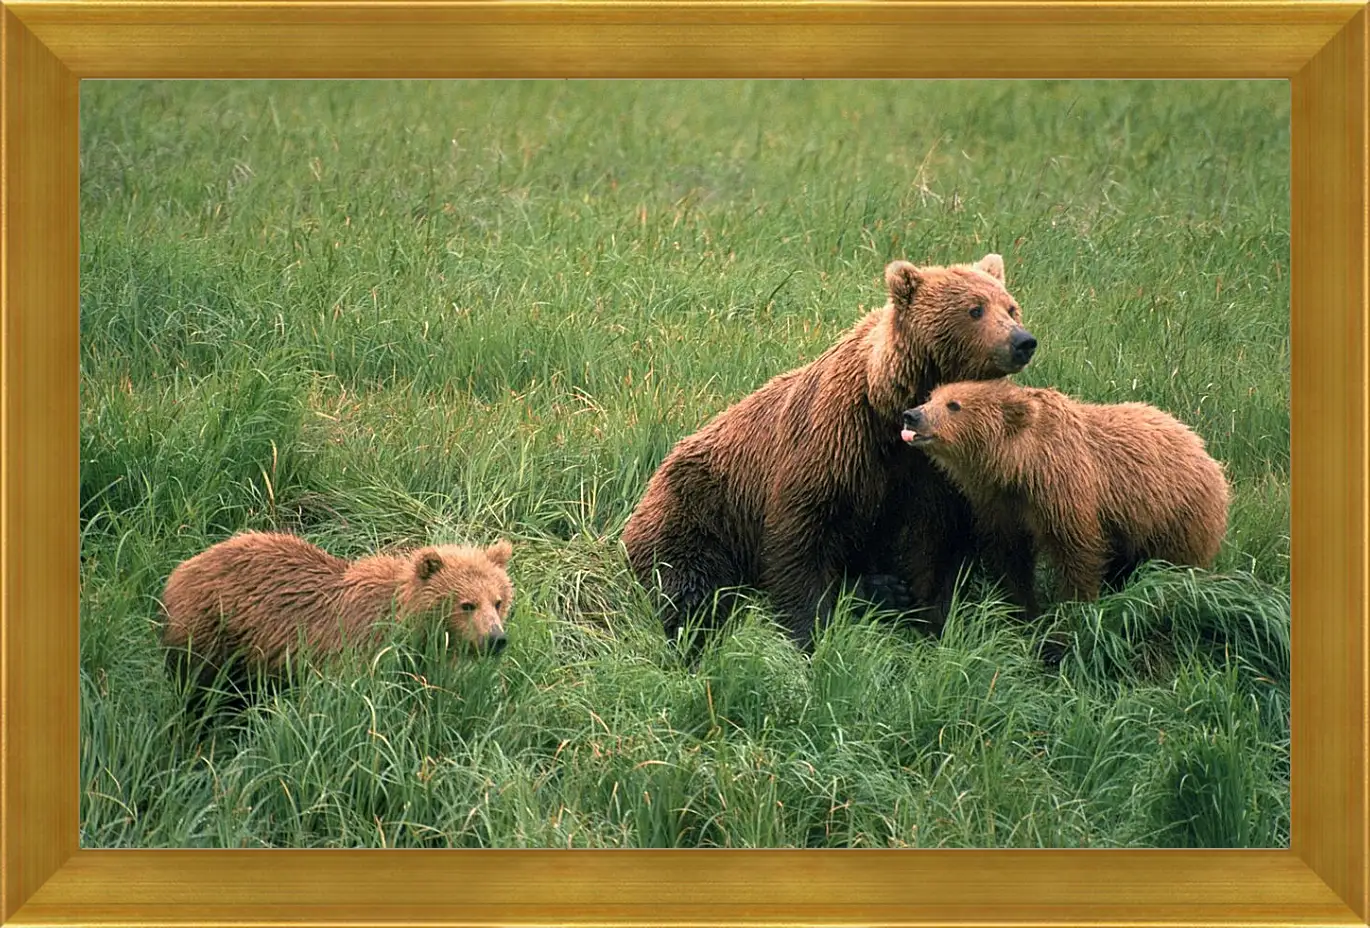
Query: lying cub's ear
{"points": [[499, 552], [993, 265], [903, 281], [427, 562]]}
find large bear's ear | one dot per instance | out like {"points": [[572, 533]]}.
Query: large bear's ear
{"points": [[903, 281], [499, 552], [993, 265], [427, 562]]}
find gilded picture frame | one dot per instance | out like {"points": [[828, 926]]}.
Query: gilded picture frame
{"points": [[48, 47]]}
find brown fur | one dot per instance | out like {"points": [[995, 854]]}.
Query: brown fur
{"points": [[259, 595], [788, 489], [1098, 489]]}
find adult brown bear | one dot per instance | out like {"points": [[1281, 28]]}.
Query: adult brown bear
{"points": [[806, 482]]}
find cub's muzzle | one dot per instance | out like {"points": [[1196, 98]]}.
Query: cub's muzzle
{"points": [[913, 423]]}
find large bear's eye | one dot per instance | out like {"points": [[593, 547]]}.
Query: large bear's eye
{"points": [[953, 405], [977, 311]]}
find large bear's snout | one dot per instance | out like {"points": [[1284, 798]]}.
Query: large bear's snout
{"points": [[1022, 345]]}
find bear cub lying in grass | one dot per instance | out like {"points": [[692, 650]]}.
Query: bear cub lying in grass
{"points": [[1098, 488], [250, 601]]}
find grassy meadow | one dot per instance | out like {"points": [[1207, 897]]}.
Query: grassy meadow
{"points": [[387, 314]]}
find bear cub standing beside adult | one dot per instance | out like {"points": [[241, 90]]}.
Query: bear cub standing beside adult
{"points": [[259, 595], [804, 483], [1098, 488]]}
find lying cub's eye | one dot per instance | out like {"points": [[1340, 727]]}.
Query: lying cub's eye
{"points": [[953, 405], [977, 311], [498, 604], [1013, 311], [468, 607]]}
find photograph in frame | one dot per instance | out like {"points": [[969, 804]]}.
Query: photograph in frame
{"points": [[331, 331], [1296, 141]]}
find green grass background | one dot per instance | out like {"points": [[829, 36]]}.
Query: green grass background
{"points": [[383, 314]]}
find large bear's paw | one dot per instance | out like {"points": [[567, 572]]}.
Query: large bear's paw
{"points": [[884, 591]]}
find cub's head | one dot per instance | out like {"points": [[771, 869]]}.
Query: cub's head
{"points": [[970, 325], [467, 587], [969, 420]]}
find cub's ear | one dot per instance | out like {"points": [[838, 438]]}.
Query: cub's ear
{"points": [[499, 552], [427, 562], [1018, 413], [993, 265], [903, 281]]}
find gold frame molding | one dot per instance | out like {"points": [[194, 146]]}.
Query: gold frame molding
{"points": [[50, 45]]}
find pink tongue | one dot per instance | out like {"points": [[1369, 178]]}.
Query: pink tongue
{"points": [[907, 435]]}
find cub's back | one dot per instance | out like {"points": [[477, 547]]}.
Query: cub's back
{"points": [[250, 573], [1160, 471], [1141, 439]]}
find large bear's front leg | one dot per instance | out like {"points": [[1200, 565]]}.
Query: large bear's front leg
{"points": [[936, 563], [925, 537]]}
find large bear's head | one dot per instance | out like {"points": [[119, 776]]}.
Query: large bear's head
{"points": [[962, 316]]}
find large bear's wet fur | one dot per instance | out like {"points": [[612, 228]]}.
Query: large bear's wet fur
{"points": [[1097, 489], [805, 482], [250, 601]]}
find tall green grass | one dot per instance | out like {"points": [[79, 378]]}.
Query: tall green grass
{"points": [[385, 314]]}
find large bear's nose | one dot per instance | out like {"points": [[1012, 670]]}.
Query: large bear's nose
{"points": [[1023, 345]]}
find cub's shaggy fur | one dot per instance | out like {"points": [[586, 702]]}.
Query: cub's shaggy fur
{"points": [[805, 482], [1098, 489], [258, 596]]}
